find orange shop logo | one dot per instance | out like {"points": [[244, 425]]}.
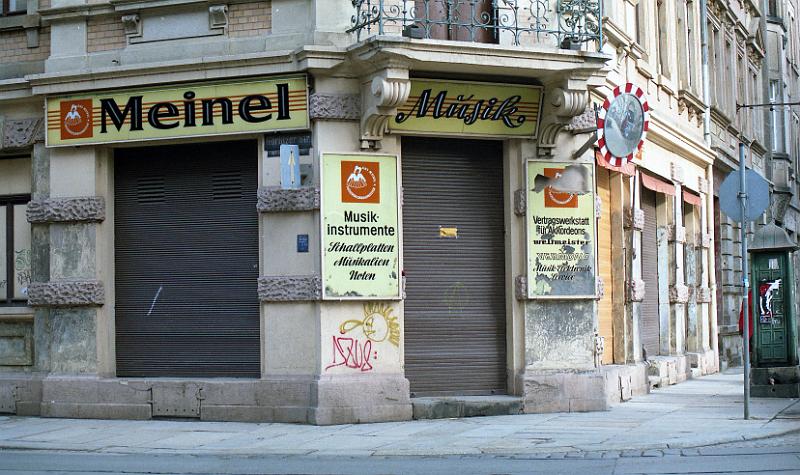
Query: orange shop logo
{"points": [[558, 199], [360, 182], [76, 119]]}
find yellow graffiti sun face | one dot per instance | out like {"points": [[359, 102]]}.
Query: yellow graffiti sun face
{"points": [[378, 324]]}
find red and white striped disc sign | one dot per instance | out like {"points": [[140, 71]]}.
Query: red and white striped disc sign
{"points": [[622, 123]]}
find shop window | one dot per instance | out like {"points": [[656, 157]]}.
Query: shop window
{"points": [[15, 250], [13, 7]]}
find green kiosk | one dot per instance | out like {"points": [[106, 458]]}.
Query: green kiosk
{"points": [[775, 371]]}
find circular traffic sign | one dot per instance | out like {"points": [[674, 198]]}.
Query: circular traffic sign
{"points": [[622, 123]]}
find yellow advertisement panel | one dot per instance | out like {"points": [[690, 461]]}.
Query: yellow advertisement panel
{"points": [[469, 108], [186, 110], [360, 232], [561, 230]]}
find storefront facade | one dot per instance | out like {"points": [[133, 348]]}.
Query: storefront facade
{"points": [[184, 264]]}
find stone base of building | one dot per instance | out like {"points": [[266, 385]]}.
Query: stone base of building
{"points": [[665, 370], [730, 347], [624, 382], [286, 399], [782, 382], [564, 391], [361, 398], [701, 364]]}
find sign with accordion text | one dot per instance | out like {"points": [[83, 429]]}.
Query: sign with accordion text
{"points": [[187, 110], [360, 232], [561, 230], [469, 108]]}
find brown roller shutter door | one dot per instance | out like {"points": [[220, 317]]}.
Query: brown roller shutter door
{"points": [[186, 239], [455, 316], [649, 321], [605, 310]]}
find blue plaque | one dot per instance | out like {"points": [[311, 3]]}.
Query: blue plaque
{"points": [[302, 243]]}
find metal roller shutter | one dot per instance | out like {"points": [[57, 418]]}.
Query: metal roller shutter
{"points": [[455, 317], [186, 239], [649, 322], [606, 320]]}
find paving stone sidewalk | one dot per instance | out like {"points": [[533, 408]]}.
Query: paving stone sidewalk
{"points": [[678, 420]]}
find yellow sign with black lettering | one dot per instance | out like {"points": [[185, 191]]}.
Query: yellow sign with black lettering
{"points": [[190, 110], [469, 108]]}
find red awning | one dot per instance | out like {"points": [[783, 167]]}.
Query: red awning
{"points": [[691, 198], [627, 169], [656, 184]]}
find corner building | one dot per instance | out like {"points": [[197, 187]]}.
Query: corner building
{"points": [[166, 255]]}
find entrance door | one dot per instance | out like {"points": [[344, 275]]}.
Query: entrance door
{"points": [[186, 238], [454, 259], [770, 309]]}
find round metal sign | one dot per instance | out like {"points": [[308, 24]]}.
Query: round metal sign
{"points": [[622, 123]]}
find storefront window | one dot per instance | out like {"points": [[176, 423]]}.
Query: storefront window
{"points": [[15, 250]]}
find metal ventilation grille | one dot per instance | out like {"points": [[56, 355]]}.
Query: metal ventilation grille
{"points": [[150, 189], [187, 266], [226, 186]]}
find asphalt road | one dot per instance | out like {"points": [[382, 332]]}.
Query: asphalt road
{"points": [[778, 455]]}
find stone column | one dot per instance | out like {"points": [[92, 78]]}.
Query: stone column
{"points": [[350, 114], [76, 342], [560, 372], [678, 291], [634, 285]]}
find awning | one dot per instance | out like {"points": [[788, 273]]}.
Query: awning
{"points": [[691, 198], [656, 184], [627, 169]]}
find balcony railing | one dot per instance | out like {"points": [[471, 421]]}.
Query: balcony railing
{"points": [[572, 24]]}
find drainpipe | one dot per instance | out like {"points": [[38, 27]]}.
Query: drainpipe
{"points": [[709, 221]]}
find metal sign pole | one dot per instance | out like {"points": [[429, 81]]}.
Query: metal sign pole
{"points": [[745, 279]]}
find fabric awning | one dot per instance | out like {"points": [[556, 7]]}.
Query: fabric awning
{"points": [[691, 198], [627, 169], [658, 185]]}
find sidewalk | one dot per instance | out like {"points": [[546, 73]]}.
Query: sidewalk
{"points": [[700, 412]]}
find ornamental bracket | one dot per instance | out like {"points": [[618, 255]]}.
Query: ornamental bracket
{"points": [[382, 94]]}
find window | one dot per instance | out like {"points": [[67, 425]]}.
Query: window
{"points": [[686, 20], [777, 117], [742, 76], [772, 8], [15, 249], [662, 22], [713, 64], [13, 7]]}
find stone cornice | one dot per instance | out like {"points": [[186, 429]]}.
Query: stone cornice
{"points": [[672, 138], [188, 70], [549, 63], [118, 7]]}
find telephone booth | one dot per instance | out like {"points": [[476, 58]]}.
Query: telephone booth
{"points": [[775, 370]]}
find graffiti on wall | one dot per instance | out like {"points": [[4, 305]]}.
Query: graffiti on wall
{"points": [[22, 264], [354, 347]]}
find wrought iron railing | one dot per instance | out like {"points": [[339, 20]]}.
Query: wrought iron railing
{"points": [[567, 23]]}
